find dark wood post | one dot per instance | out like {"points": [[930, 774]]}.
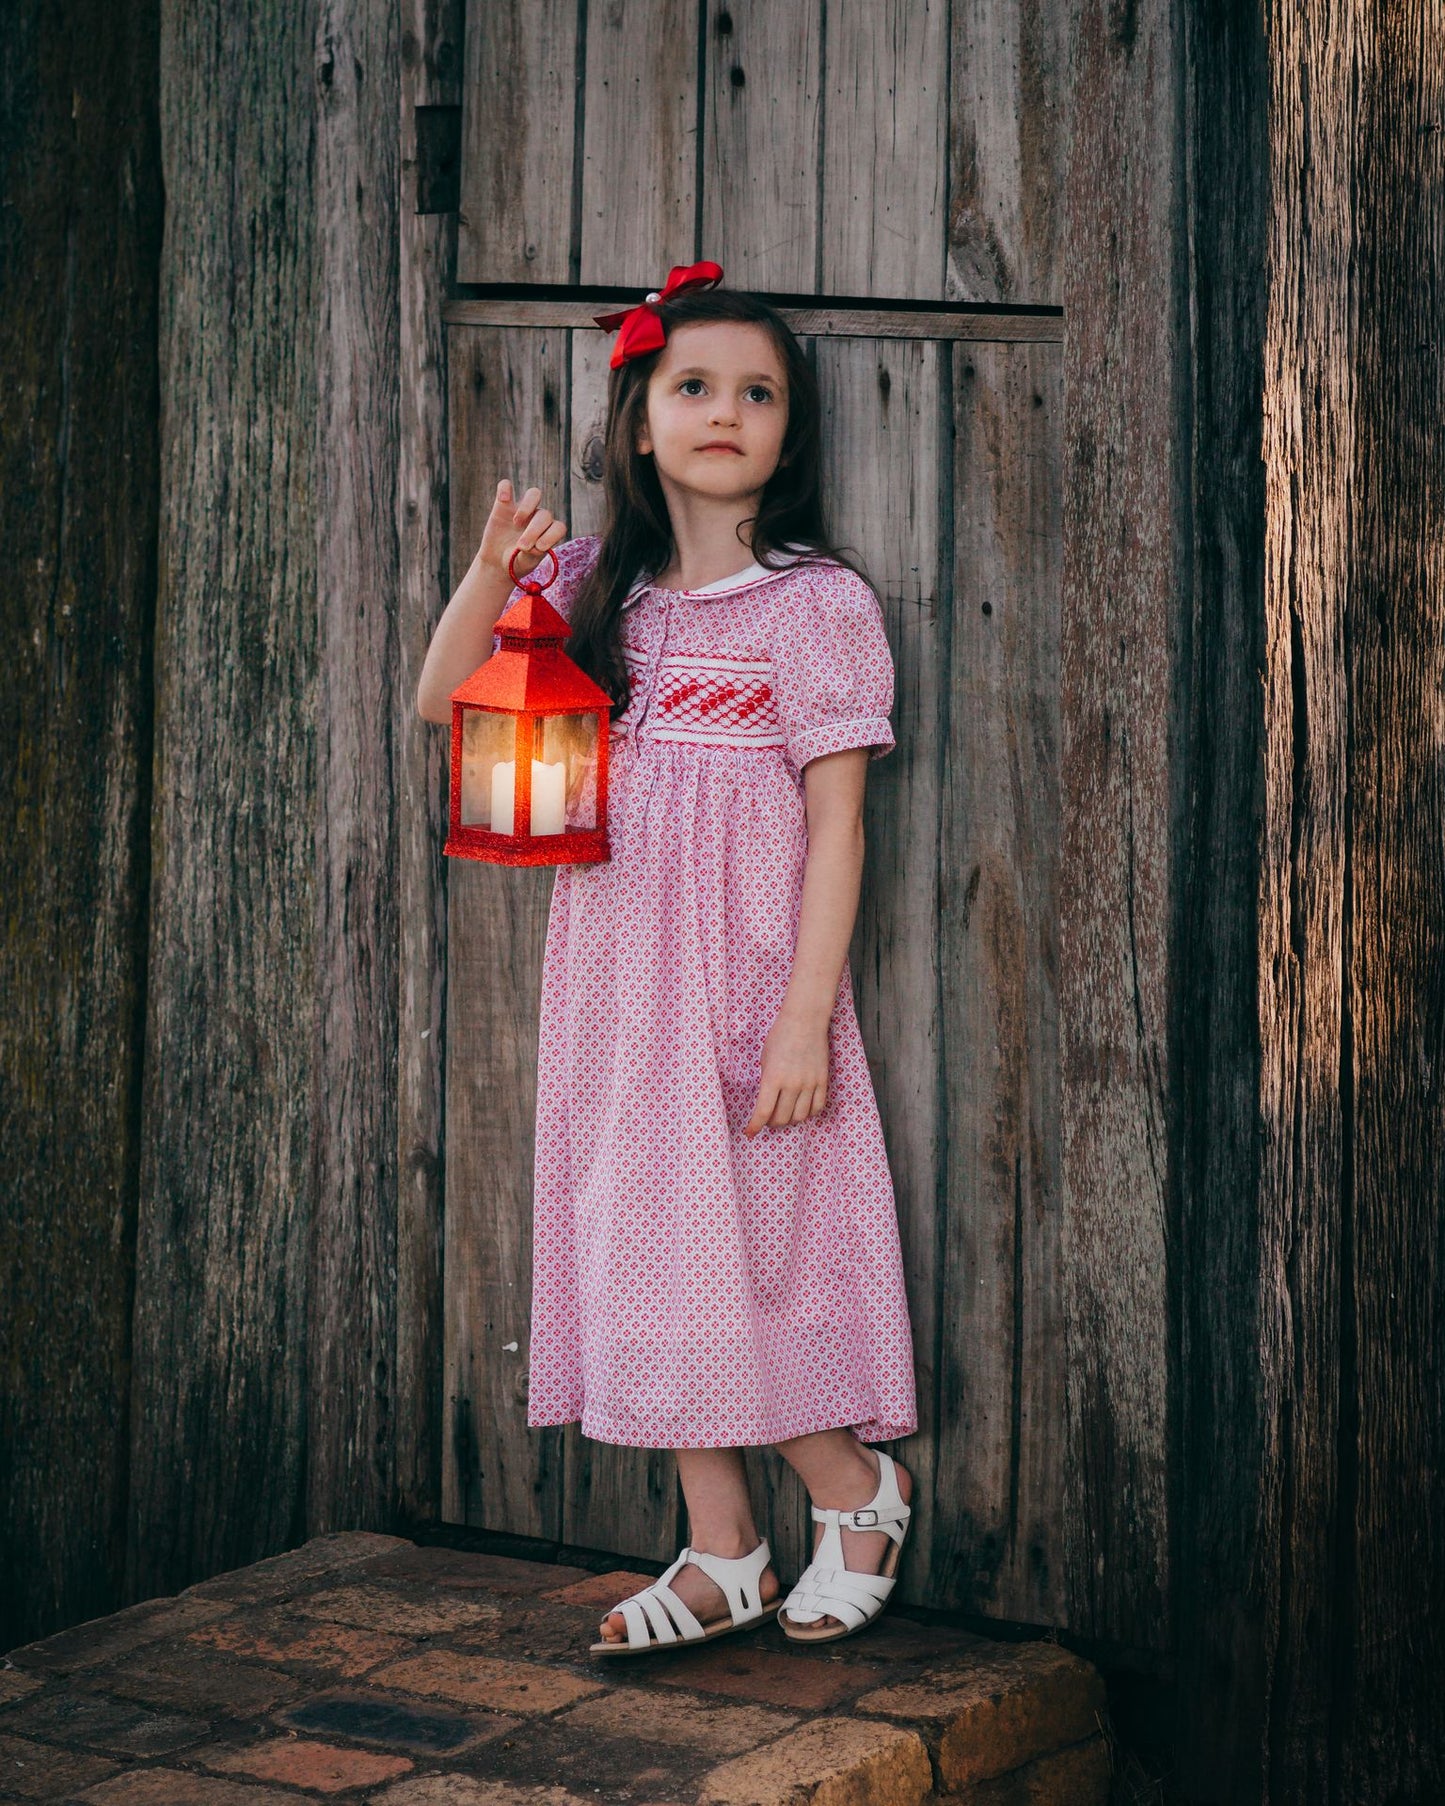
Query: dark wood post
{"points": [[1312, 996], [80, 243]]}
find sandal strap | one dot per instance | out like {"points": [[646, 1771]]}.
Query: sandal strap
{"points": [[839, 1593], [885, 1511], [657, 1613]]}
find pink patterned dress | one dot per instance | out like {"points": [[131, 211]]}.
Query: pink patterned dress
{"points": [[692, 1287]]}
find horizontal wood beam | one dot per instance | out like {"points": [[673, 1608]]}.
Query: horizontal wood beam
{"points": [[984, 325]]}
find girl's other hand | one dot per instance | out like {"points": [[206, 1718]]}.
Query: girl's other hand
{"points": [[795, 1075], [521, 527]]}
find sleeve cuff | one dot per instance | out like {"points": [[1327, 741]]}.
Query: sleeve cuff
{"points": [[841, 736]]}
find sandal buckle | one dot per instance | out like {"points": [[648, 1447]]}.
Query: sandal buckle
{"points": [[865, 1516]]}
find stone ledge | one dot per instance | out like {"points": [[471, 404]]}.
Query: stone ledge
{"points": [[830, 1762], [994, 1713]]}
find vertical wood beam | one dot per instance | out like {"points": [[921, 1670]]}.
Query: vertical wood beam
{"points": [[431, 64], [351, 1331], [80, 245], [219, 1400], [1122, 574]]}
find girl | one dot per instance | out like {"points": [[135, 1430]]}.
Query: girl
{"points": [[715, 1246]]}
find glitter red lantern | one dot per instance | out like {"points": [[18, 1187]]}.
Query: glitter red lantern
{"points": [[529, 746]]}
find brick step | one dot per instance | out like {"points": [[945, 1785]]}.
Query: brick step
{"points": [[368, 1668]]}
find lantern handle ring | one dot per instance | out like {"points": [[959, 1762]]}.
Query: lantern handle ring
{"points": [[529, 584]]}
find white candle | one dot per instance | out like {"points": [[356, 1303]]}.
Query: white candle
{"points": [[549, 796]]}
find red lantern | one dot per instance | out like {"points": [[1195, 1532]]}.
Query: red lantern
{"points": [[529, 746]]}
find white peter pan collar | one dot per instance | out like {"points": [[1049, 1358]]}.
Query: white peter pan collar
{"points": [[725, 586]]}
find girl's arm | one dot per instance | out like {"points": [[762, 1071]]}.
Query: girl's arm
{"points": [[795, 1054], [463, 637]]}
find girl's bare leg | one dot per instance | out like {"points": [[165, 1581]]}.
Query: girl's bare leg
{"points": [[841, 1474], [720, 1522]]}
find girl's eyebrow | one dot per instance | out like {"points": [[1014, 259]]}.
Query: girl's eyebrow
{"points": [[753, 376]]}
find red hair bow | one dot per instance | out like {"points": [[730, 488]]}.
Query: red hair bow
{"points": [[642, 325]]}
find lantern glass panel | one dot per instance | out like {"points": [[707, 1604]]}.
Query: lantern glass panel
{"points": [[571, 742], [488, 740]]}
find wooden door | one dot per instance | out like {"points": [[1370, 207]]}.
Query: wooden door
{"points": [[943, 427]]}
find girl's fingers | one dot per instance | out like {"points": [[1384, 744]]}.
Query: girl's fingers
{"points": [[783, 1111], [524, 508], [762, 1108]]}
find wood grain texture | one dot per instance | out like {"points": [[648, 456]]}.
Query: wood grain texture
{"points": [[885, 149], [1045, 326], [507, 413], [998, 1549], [518, 114], [587, 430], [80, 241], [1308, 427], [1392, 1736], [219, 1409], [351, 1329], [884, 418], [760, 216], [1226, 1541], [640, 144], [1352, 942], [1121, 573], [1007, 119], [430, 76]]}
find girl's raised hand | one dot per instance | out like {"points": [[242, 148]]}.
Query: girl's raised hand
{"points": [[521, 527]]}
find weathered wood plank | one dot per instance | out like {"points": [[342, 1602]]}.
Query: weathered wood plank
{"points": [[640, 149], [588, 430], [351, 1321], [760, 216], [998, 1550], [430, 76], [1226, 1538], [884, 415], [1391, 1719], [1044, 325], [518, 138], [1121, 579], [226, 1174], [1008, 111], [885, 149], [80, 240], [507, 413]]}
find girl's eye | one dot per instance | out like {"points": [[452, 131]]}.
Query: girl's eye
{"points": [[756, 389]]}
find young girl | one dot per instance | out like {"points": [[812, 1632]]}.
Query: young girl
{"points": [[715, 1247]]}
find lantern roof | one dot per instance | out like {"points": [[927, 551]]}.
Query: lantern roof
{"points": [[530, 673], [533, 617]]}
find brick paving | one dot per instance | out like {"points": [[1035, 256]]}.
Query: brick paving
{"points": [[363, 1668]]}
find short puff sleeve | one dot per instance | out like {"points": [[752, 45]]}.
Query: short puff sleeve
{"points": [[575, 560], [832, 666]]}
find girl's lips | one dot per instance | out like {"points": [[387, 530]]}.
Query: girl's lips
{"points": [[736, 449]]}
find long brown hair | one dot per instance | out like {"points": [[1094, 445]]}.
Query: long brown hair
{"points": [[637, 531]]}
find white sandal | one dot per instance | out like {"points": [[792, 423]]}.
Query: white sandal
{"points": [[827, 1587], [741, 1581]]}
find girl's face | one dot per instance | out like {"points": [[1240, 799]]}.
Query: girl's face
{"points": [[716, 383]]}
